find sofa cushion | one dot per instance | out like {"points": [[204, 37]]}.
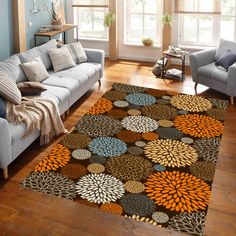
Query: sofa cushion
{"points": [[224, 46], [31, 88], [77, 52], [8, 89], [225, 61], [35, 70], [213, 72], [40, 51], [29, 55], [61, 59], [43, 52], [2, 108], [64, 82], [61, 94], [12, 67], [82, 72]]}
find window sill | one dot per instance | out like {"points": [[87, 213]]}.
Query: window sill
{"points": [[192, 47], [141, 45], [93, 39]]}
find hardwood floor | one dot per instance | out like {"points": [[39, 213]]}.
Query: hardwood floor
{"points": [[25, 212]]}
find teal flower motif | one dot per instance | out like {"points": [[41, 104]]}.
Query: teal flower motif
{"points": [[159, 167], [140, 99], [107, 147]]}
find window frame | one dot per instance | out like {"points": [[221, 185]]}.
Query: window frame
{"points": [[92, 10], [127, 23], [216, 31]]}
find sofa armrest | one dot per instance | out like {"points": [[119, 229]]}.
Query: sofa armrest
{"points": [[199, 59], [5, 144], [96, 55], [231, 82]]}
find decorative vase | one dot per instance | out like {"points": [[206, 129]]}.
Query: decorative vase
{"points": [[57, 24]]}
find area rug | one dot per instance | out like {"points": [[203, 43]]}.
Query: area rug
{"points": [[146, 154]]}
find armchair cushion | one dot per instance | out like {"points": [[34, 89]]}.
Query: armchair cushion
{"points": [[228, 59], [211, 71], [224, 46]]}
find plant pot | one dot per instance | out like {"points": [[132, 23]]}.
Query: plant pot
{"points": [[57, 24], [147, 44]]}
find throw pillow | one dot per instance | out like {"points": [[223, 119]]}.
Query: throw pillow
{"points": [[12, 67], [225, 61], [61, 59], [35, 70], [31, 88], [2, 108], [8, 89], [77, 52], [224, 46]]}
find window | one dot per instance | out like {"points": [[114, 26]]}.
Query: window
{"points": [[143, 19], [201, 29], [89, 16], [228, 20]]}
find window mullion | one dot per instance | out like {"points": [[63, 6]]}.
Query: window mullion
{"points": [[143, 20]]}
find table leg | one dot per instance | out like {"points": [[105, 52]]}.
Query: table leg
{"points": [[163, 68], [64, 37], [77, 33], [183, 67], [35, 40]]}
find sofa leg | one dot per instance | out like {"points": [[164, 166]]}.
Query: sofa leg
{"points": [[232, 100], [195, 88], [68, 112], [99, 83], [5, 173]]}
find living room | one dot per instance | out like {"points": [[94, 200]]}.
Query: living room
{"points": [[117, 117]]}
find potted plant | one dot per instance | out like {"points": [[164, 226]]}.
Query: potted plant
{"points": [[147, 42], [109, 19], [167, 19]]}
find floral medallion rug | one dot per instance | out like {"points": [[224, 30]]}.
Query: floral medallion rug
{"points": [[146, 154]]}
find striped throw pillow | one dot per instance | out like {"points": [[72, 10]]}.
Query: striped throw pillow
{"points": [[8, 89], [61, 59], [35, 70], [77, 52]]}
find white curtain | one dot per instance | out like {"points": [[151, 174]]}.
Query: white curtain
{"points": [[90, 2], [198, 6]]}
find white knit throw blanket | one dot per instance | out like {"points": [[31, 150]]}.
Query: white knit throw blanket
{"points": [[37, 113]]}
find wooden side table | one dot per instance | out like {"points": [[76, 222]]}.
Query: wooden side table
{"points": [[50, 34], [181, 56]]}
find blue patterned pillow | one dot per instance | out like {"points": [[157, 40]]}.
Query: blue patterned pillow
{"points": [[2, 108]]}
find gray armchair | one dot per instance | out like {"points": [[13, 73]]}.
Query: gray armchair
{"points": [[204, 70]]}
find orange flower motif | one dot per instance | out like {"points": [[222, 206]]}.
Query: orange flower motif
{"points": [[150, 136], [57, 158], [178, 191], [101, 106], [199, 126], [112, 207]]}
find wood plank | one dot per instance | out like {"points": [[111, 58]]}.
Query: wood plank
{"points": [[113, 32], [56, 32], [19, 26], [166, 39], [26, 212]]}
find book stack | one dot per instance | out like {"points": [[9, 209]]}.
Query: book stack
{"points": [[46, 28], [174, 73]]}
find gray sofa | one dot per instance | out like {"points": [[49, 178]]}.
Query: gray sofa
{"points": [[65, 87], [204, 70]]}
